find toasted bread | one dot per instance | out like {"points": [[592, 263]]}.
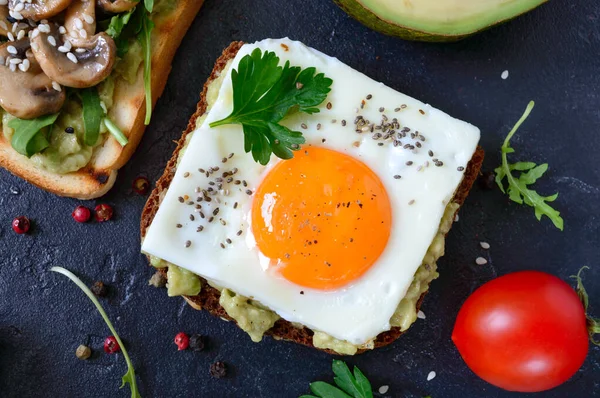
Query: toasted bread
{"points": [[128, 112], [208, 299]]}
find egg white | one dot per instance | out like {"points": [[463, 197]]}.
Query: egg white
{"points": [[361, 310]]}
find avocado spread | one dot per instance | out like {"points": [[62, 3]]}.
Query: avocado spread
{"points": [[255, 319], [181, 282]]}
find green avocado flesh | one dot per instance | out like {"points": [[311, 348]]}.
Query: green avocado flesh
{"points": [[434, 20]]}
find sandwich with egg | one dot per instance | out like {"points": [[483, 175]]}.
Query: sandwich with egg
{"points": [[306, 201], [78, 81]]}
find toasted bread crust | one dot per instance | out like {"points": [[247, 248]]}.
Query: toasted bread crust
{"points": [[129, 112], [208, 299]]}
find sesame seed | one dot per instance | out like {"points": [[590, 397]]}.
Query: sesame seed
{"points": [[318, 126], [52, 41], [419, 168], [397, 176], [12, 67], [381, 109], [228, 240], [304, 126], [343, 122], [11, 50], [215, 211], [418, 144], [224, 160], [397, 110], [188, 243], [409, 163], [369, 96], [15, 61], [186, 174], [431, 376], [62, 30], [403, 106], [78, 24], [63, 49], [178, 225], [83, 33], [44, 28], [244, 183], [56, 86], [430, 152], [200, 228], [484, 245], [421, 111], [192, 218], [202, 215], [460, 168], [248, 192], [222, 246], [11, 37], [481, 261], [412, 201], [383, 389], [239, 232], [15, 14], [211, 219], [180, 199], [19, 7], [235, 205], [421, 315], [24, 66], [72, 57], [329, 106], [299, 86], [88, 18], [222, 221]]}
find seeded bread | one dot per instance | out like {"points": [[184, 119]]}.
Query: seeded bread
{"points": [[128, 112], [208, 299]]}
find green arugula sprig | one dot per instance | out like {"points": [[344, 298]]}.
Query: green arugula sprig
{"points": [[30, 136], [129, 377], [348, 385], [518, 190], [263, 94], [92, 115], [593, 324]]}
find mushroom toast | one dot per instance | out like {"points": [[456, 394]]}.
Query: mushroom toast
{"points": [[307, 201], [78, 80]]}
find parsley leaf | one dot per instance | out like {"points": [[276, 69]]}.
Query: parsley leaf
{"points": [[129, 377], [28, 137], [263, 94], [518, 190], [350, 385]]}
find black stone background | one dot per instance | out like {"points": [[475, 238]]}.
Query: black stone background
{"points": [[552, 55]]}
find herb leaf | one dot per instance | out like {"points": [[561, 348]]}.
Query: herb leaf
{"points": [[115, 131], [518, 190], [263, 94], [350, 386], [593, 324], [145, 38], [129, 377], [28, 138], [92, 115], [149, 4]]}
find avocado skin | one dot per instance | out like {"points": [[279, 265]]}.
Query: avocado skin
{"points": [[373, 21]]}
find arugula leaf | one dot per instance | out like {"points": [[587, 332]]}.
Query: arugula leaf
{"points": [[145, 38], [518, 190], [92, 115], [263, 94], [149, 4], [350, 386], [28, 137], [593, 324], [129, 377], [115, 131], [118, 23]]}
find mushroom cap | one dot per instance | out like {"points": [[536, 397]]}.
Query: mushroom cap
{"points": [[117, 6], [40, 9], [80, 20], [83, 66], [29, 94]]}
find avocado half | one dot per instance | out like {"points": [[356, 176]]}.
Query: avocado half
{"points": [[434, 20]]}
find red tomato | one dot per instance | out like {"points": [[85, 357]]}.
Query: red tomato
{"points": [[524, 331]]}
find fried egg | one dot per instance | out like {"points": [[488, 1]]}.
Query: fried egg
{"points": [[330, 239]]}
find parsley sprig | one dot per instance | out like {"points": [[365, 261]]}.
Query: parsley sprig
{"points": [[129, 377], [518, 187], [348, 385], [263, 94]]}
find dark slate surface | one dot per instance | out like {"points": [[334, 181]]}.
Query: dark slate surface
{"points": [[552, 57]]}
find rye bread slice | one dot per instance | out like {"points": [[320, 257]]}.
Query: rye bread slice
{"points": [[208, 299]]}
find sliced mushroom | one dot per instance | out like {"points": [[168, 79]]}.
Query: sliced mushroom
{"points": [[117, 6], [25, 91], [36, 9], [4, 24], [80, 21], [83, 64]]}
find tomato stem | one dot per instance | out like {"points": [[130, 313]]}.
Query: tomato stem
{"points": [[593, 324]]}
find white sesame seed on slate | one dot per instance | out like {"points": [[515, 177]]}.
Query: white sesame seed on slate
{"points": [[56, 86], [481, 261], [383, 389], [11, 50], [484, 245], [504, 75], [431, 376], [72, 57], [421, 315], [456, 218], [52, 41]]}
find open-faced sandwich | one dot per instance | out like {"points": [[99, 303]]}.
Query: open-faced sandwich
{"points": [[307, 201], [78, 80]]}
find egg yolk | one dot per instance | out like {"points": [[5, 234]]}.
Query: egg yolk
{"points": [[323, 218]]}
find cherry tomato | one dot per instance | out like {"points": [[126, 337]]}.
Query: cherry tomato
{"points": [[524, 331]]}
